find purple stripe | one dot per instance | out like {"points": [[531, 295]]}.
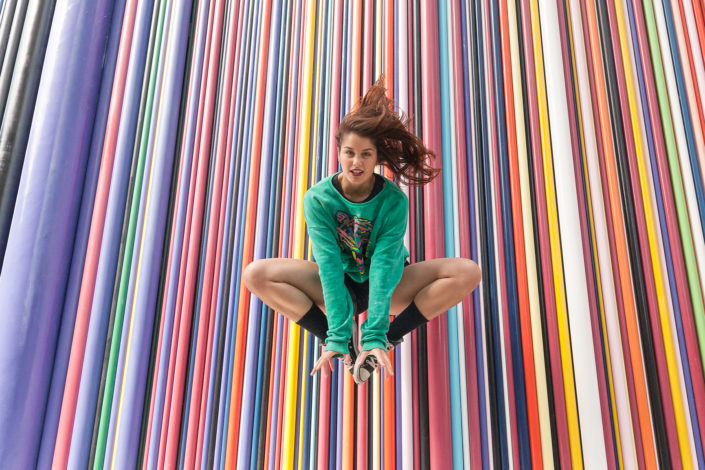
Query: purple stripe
{"points": [[36, 266], [127, 435]]}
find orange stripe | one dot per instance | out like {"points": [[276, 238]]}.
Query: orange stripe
{"points": [[270, 393], [621, 246], [389, 422], [348, 435], [282, 397], [520, 257]]}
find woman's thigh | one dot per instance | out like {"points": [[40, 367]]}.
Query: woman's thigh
{"points": [[416, 276], [302, 274]]}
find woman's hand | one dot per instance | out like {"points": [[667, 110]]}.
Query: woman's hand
{"points": [[382, 359], [325, 362]]}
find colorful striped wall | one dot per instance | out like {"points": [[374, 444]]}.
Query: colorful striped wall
{"points": [[150, 150]]}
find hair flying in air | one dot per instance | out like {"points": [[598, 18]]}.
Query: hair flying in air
{"points": [[398, 148]]}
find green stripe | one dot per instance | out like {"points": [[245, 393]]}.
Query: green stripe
{"points": [[671, 151], [129, 248]]}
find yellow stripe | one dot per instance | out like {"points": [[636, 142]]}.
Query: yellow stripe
{"points": [[561, 307], [139, 269], [379, 50], [375, 421], [302, 371], [608, 359], [531, 269], [677, 401], [595, 261], [304, 440], [288, 431]]}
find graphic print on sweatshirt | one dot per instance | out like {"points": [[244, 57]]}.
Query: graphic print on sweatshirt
{"points": [[354, 237]]}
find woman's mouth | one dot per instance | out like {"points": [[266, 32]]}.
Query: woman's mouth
{"points": [[356, 172]]}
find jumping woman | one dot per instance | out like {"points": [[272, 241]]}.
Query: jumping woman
{"points": [[356, 222]]}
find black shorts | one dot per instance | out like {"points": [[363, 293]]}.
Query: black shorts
{"points": [[360, 292]]}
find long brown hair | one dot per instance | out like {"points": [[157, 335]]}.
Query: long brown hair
{"points": [[398, 148]]}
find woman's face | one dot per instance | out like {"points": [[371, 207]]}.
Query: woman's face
{"points": [[358, 158]]}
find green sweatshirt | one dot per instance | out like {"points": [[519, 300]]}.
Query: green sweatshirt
{"points": [[364, 240]]}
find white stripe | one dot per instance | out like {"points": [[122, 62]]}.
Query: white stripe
{"points": [[592, 433]]}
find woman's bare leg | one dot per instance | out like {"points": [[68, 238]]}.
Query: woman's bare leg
{"points": [[289, 286], [435, 285]]}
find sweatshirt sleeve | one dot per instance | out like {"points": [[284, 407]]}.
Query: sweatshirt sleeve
{"points": [[327, 253], [386, 268]]}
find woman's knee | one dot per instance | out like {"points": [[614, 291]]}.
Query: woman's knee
{"points": [[470, 273], [255, 274]]}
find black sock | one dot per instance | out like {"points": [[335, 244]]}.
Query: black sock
{"points": [[408, 320], [315, 321]]}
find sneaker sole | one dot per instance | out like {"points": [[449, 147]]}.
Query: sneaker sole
{"points": [[364, 371]]}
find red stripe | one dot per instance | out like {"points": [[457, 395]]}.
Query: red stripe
{"points": [[520, 257], [438, 386], [542, 234], [80, 333]]}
